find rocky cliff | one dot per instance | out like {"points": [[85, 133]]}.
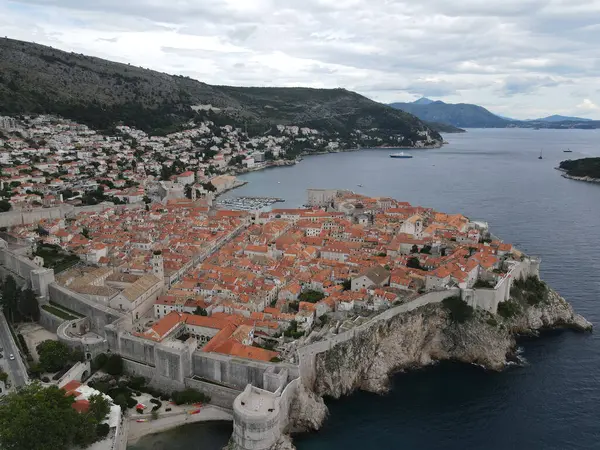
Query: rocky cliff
{"points": [[428, 334]]}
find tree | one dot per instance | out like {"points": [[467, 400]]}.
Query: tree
{"points": [[54, 355], [9, 298], [86, 233], [347, 284], [41, 418], [114, 365], [5, 206], [146, 199], [414, 263], [200, 311], [414, 249], [426, 249], [311, 296], [99, 407], [28, 305]]}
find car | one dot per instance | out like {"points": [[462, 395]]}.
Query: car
{"points": [[12, 357]]}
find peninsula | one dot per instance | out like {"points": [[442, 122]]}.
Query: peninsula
{"points": [[213, 313], [585, 169]]}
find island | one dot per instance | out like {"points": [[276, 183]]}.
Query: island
{"points": [[182, 310], [585, 169]]}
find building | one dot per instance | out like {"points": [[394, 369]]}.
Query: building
{"points": [[377, 276]]}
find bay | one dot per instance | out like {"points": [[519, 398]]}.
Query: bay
{"points": [[552, 401]]}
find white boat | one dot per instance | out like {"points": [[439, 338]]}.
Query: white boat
{"points": [[400, 155]]}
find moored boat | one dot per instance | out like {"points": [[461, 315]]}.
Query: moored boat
{"points": [[400, 155]]}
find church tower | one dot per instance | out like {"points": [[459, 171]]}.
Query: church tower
{"points": [[158, 268]]}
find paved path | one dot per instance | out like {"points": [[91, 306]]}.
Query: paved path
{"points": [[16, 368], [164, 423]]}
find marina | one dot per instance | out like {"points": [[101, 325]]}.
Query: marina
{"points": [[248, 203]]}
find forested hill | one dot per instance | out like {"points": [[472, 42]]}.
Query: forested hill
{"points": [[39, 79], [585, 167]]}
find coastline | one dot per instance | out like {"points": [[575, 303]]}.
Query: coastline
{"points": [[572, 177]]}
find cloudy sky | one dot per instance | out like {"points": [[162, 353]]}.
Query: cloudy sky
{"points": [[521, 58]]}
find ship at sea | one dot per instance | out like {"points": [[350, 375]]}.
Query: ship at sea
{"points": [[400, 155]]}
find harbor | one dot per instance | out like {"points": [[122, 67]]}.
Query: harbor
{"points": [[248, 203]]}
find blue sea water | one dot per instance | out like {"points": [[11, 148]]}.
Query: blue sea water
{"points": [[550, 402]]}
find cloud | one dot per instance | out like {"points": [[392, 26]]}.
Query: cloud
{"points": [[588, 105], [474, 51]]}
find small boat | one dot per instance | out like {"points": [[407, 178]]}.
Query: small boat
{"points": [[540, 157], [400, 155], [359, 185], [568, 151]]}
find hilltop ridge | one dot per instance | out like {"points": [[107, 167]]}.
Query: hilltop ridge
{"points": [[39, 79]]}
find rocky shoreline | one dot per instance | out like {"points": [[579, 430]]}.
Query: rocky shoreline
{"points": [[420, 338], [571, 177]]}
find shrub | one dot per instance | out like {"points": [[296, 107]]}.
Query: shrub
{"points": [[508, 309], [46, 379], [155, 401], [23, 344], [492, 322], [114, 365], [102, 430], [131, 402], [275, 359], [139, 410], [480, 284], [165, 397], [167, 409], [157, 406], [136, 383], [99, 361], [460, 312]]}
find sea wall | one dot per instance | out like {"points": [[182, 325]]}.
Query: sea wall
{"points": [[237, 373]]}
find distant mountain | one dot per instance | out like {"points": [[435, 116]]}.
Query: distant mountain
{"points": [[423, 101], [557, 118], [100, 93], [460, 115]]}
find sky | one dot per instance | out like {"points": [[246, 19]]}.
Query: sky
{"points": [[518, 58]]}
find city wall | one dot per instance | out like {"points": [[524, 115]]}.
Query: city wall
{"points": [[237, 373], [307, 354], [49, 321], [32, 216], [36, 277], [99, 315]]}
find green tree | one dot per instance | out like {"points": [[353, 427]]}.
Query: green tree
{"points": [[5, 206], [28, 305], [347, 284], [53, 355], [414, 263], [86, 233], [114, 365], [311, 296], [99, 407], [9, 298], [38, 418], [200, 311]]}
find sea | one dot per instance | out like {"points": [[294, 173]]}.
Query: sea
{"points": [[551, 400]]}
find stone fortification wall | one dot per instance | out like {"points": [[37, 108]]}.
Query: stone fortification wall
{"points": [[219, 395], [489, 299], [236, 373], [32, 216], [49, 321], [37, 278], [307, 354], [25, 217], [99, 315], [261, 417]]}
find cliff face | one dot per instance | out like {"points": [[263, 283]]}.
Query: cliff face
{"points": [[427, 334]]}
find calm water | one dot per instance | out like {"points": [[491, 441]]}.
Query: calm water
{"points": [[494, 175]]}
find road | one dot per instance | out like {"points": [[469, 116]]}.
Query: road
{"points": [[15, 368]]}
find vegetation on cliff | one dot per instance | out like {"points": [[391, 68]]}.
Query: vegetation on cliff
{"points": [[586, 167], [100, 93]]}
